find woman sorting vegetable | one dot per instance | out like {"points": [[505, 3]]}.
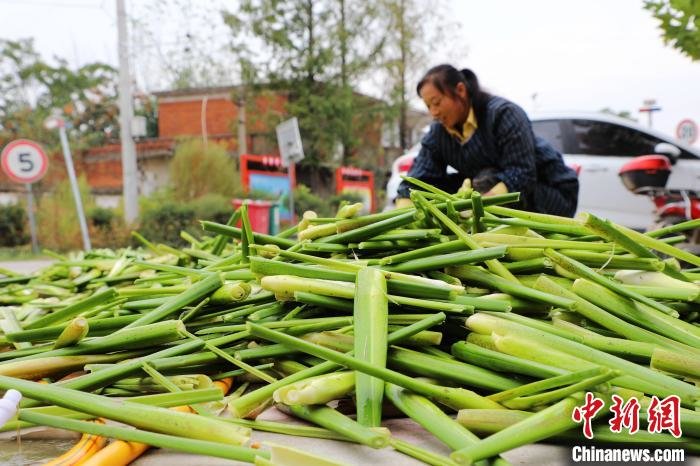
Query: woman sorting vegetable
{"points": [[488, 140]]}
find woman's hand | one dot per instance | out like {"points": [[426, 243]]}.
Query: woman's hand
{"points": [[499, 188]]}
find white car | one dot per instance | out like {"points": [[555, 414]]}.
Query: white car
{"points": [[597, 145]]}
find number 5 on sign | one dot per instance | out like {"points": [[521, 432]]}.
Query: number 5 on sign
{"points": [[25, 162]]}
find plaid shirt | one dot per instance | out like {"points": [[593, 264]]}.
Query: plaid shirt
{"points": [[505, 143]]}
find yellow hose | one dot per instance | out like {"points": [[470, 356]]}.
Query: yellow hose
{"points": [[87, 446]]}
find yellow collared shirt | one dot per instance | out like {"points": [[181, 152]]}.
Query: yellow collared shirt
{"points": [[468, 128]]}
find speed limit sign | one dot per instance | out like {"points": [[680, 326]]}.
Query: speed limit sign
{"points": [[24, 161], [687, 131]]}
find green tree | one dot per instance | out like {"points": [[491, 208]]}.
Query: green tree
{"points": [[316, 52], [680, 24], [31, 88], [416, 36]]}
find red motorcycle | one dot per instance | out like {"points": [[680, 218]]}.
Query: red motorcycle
{"points": [[647, 175]]}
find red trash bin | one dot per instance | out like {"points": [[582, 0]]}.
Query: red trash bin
{"points": [[258, 213]]}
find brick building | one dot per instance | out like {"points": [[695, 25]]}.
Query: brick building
{"points": [[210, 113]]}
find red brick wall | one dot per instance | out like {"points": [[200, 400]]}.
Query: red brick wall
{"points": [[107, 174], [184, 118]]}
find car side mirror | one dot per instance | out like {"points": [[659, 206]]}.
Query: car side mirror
{"points": [[669, 150]]}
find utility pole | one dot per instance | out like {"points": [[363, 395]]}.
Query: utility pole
{"points": [[126, 111]]}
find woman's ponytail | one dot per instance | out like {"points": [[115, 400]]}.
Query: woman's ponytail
{"points": [[471, 80]]}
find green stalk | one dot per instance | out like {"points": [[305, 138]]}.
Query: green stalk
{"points": [[445, 260], [118, 371], [178, 270], [373, 229], [73, 310], [535, 217], [405, 234], [420, 454], [583, 271], [490, 421], [46, 367], [493, 264], [165, 400], [455, 397], [356, 265], [160, 379], [606, 229], [73, 333], [371, 308], [296, 430], [678, 227], [337, 422], [513, 241], [448, 369], [381, 246], [235, 232], [396, 284], [669, 294], [138, 415], [660, 246], [285, 286], [196, 292], [324, 247], [540, 399], [221, 240], [243, 405], [220, 449], [569, 230], [603, 318], [432, 418], [647, 317], [11, 324], [613, 261], [428, 251], [546, 384], [675, 363], [485, 303], [495, 360], [655, 383], [211, 346], [152, 335], [618, 346], [550, 421], [317, 390], [516, 289], [229, 293], [317, 231]]}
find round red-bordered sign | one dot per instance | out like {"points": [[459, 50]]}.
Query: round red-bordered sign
{"points": [[24, 161], [687, 131]]}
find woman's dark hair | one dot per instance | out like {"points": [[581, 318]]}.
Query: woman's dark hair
{"points": [[445, 79]]}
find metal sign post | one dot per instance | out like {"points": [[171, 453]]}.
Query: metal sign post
{"points": [[32, 218], [74, 185], [291, 149], [649, 108], [24, 161]]}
